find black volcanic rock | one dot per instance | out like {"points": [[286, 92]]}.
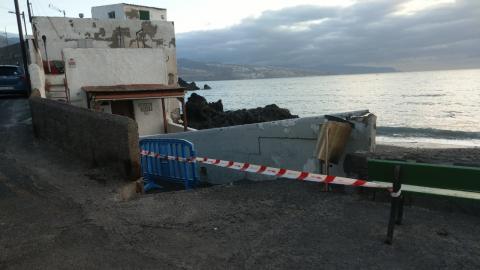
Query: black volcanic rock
{"points": [[204, 115], [188, 86], [207, 87]]}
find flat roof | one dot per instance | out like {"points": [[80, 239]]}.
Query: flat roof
{"points": [[134, 91], [143, 6], [127, 4], [132, 88]]}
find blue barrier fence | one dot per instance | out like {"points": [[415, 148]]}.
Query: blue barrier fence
{"points": [[156, 171]]}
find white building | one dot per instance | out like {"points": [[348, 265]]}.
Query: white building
{"points": [[124, 11], [123, 66]]}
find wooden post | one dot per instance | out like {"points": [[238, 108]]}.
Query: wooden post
{"points": [[184, 109], [165, 126]]}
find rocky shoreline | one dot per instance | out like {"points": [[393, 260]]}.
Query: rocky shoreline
{"points": [[192, 86], [203, 115]]}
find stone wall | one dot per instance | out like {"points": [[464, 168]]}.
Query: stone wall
{"points": [[104, 140], [287, 144]]}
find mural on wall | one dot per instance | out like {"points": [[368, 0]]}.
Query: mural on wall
{"points": [[63, 33]]}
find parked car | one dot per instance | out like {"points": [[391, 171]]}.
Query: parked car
{"points": [[13, 80]]}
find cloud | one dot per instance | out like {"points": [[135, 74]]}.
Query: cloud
{"points": [[372, 33]]}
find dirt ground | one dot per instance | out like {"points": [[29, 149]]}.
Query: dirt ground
{"points": [[58, 213]]}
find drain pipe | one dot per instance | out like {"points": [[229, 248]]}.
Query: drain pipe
{"points": [[44, 38], [136, 35]]}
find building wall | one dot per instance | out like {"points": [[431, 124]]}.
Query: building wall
{"points": [[102, 67], [74, 32], [287, 144], [101, 12], [104, 140], [130, 12], [149, 121]]}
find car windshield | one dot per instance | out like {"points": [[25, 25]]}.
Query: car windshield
{"points": [[9, 71]]}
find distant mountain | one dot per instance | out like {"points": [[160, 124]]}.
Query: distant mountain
{"points": [[12, 39], [199, 71]]}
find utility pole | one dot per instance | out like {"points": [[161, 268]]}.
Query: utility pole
{"points": [[22, 44], [29, 11], [24, 23], [6, 35]]}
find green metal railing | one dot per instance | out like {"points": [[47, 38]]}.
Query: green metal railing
{"points": [[426, 175]]}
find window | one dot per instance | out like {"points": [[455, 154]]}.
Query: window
{"points": [[9, 71], [111, 15], [144, 15]]}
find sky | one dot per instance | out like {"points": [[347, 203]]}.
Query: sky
{"points": [[404, 34], [189, 15]]}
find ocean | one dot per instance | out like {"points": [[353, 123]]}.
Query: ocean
{"points": [[413, 108]]}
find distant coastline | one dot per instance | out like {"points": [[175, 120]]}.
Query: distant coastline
{"points": [[199, 71]]}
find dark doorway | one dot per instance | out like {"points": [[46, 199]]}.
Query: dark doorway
{"points": [[123, 107]]}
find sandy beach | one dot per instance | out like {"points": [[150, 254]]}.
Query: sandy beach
{"points": [[436, 154]]}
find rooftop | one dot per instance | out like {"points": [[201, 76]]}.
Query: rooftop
{"points": [[127, 4]]}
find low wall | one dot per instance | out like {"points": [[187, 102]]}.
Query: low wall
{"points": [[287, 144], [104, 140]]}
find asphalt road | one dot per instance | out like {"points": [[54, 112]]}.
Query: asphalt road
{"points": [[58, 213], [14, 112]]}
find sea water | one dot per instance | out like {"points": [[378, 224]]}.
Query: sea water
{"points": [[412, 107]]}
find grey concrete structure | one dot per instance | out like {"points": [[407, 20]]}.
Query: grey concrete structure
{"points": [[287, 144], [104, 140]]}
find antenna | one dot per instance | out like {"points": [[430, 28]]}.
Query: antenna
{"points": [[57, 9]]}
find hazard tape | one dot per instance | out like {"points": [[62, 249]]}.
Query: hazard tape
{"points": [[265, 170]]}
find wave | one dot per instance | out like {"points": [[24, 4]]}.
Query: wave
{"points": [[425, 95], [427, 133]]}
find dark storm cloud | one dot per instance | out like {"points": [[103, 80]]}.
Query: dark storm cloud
{"points": [[367, 33]]}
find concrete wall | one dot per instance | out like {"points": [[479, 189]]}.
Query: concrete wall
{"points": [[126, 11], [149, 122], [37, 79], [100, 67], [74, 32], [102, 139], [288, 144], [132, 12], [101, 12]]}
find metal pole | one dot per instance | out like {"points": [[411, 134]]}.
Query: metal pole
{"points": [[24, 23], [394, 208], [22, 44], [327, 154], [184, 109], [165, 125], [44, 38]]}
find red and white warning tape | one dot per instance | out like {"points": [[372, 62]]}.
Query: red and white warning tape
{"points": [[260, 169]]}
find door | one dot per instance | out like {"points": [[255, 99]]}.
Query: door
{"points": [[123, 107]]}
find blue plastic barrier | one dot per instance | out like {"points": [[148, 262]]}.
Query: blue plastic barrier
{"points": [[156, 171]]}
